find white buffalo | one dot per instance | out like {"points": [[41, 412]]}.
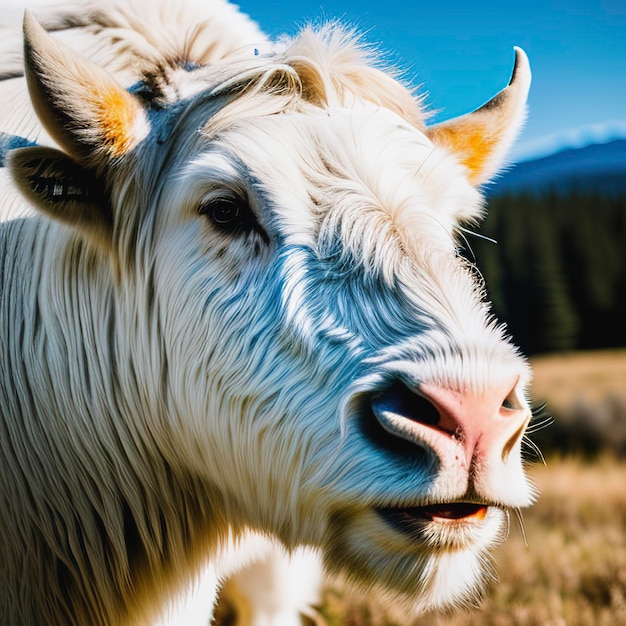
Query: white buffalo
{"points": [[232, 299]]}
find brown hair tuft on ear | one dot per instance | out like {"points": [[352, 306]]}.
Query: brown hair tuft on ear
{"points": [[81, 106]]}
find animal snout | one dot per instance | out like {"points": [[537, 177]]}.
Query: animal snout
{"points": [[459, 426]]}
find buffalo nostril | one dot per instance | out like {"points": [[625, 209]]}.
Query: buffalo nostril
{"points": [[379, 410], [397, 398], [511, 402], [508, 404]]}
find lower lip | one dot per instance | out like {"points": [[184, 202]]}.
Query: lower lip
{"points": [[406, 520], [461, 512]]}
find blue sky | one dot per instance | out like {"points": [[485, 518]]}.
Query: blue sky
{"points": [[462, 53]]}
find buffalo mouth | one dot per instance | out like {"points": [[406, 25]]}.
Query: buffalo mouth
{"points": [[412, 518]]}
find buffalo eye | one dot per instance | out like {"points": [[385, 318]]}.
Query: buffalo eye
{"points": [[224, 212], [231, 215]]}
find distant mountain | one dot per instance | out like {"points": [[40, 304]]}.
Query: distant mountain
{"points": [[597, 168]]}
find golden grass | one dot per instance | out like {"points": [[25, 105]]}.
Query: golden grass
{"points": [[586, 394], [565, 379], [573, 572]]}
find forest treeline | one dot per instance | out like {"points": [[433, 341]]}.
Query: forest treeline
{"points": [[557, 275]]}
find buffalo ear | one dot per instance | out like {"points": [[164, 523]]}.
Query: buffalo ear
{"points": [[95, 122], [481, 140], [62, 189], [83, 108]]}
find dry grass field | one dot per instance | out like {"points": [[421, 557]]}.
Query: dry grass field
{"points": [[590, 377], [586, 394]]}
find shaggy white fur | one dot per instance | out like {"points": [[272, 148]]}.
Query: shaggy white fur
{"points": [[232, 300], [125, 51]]}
